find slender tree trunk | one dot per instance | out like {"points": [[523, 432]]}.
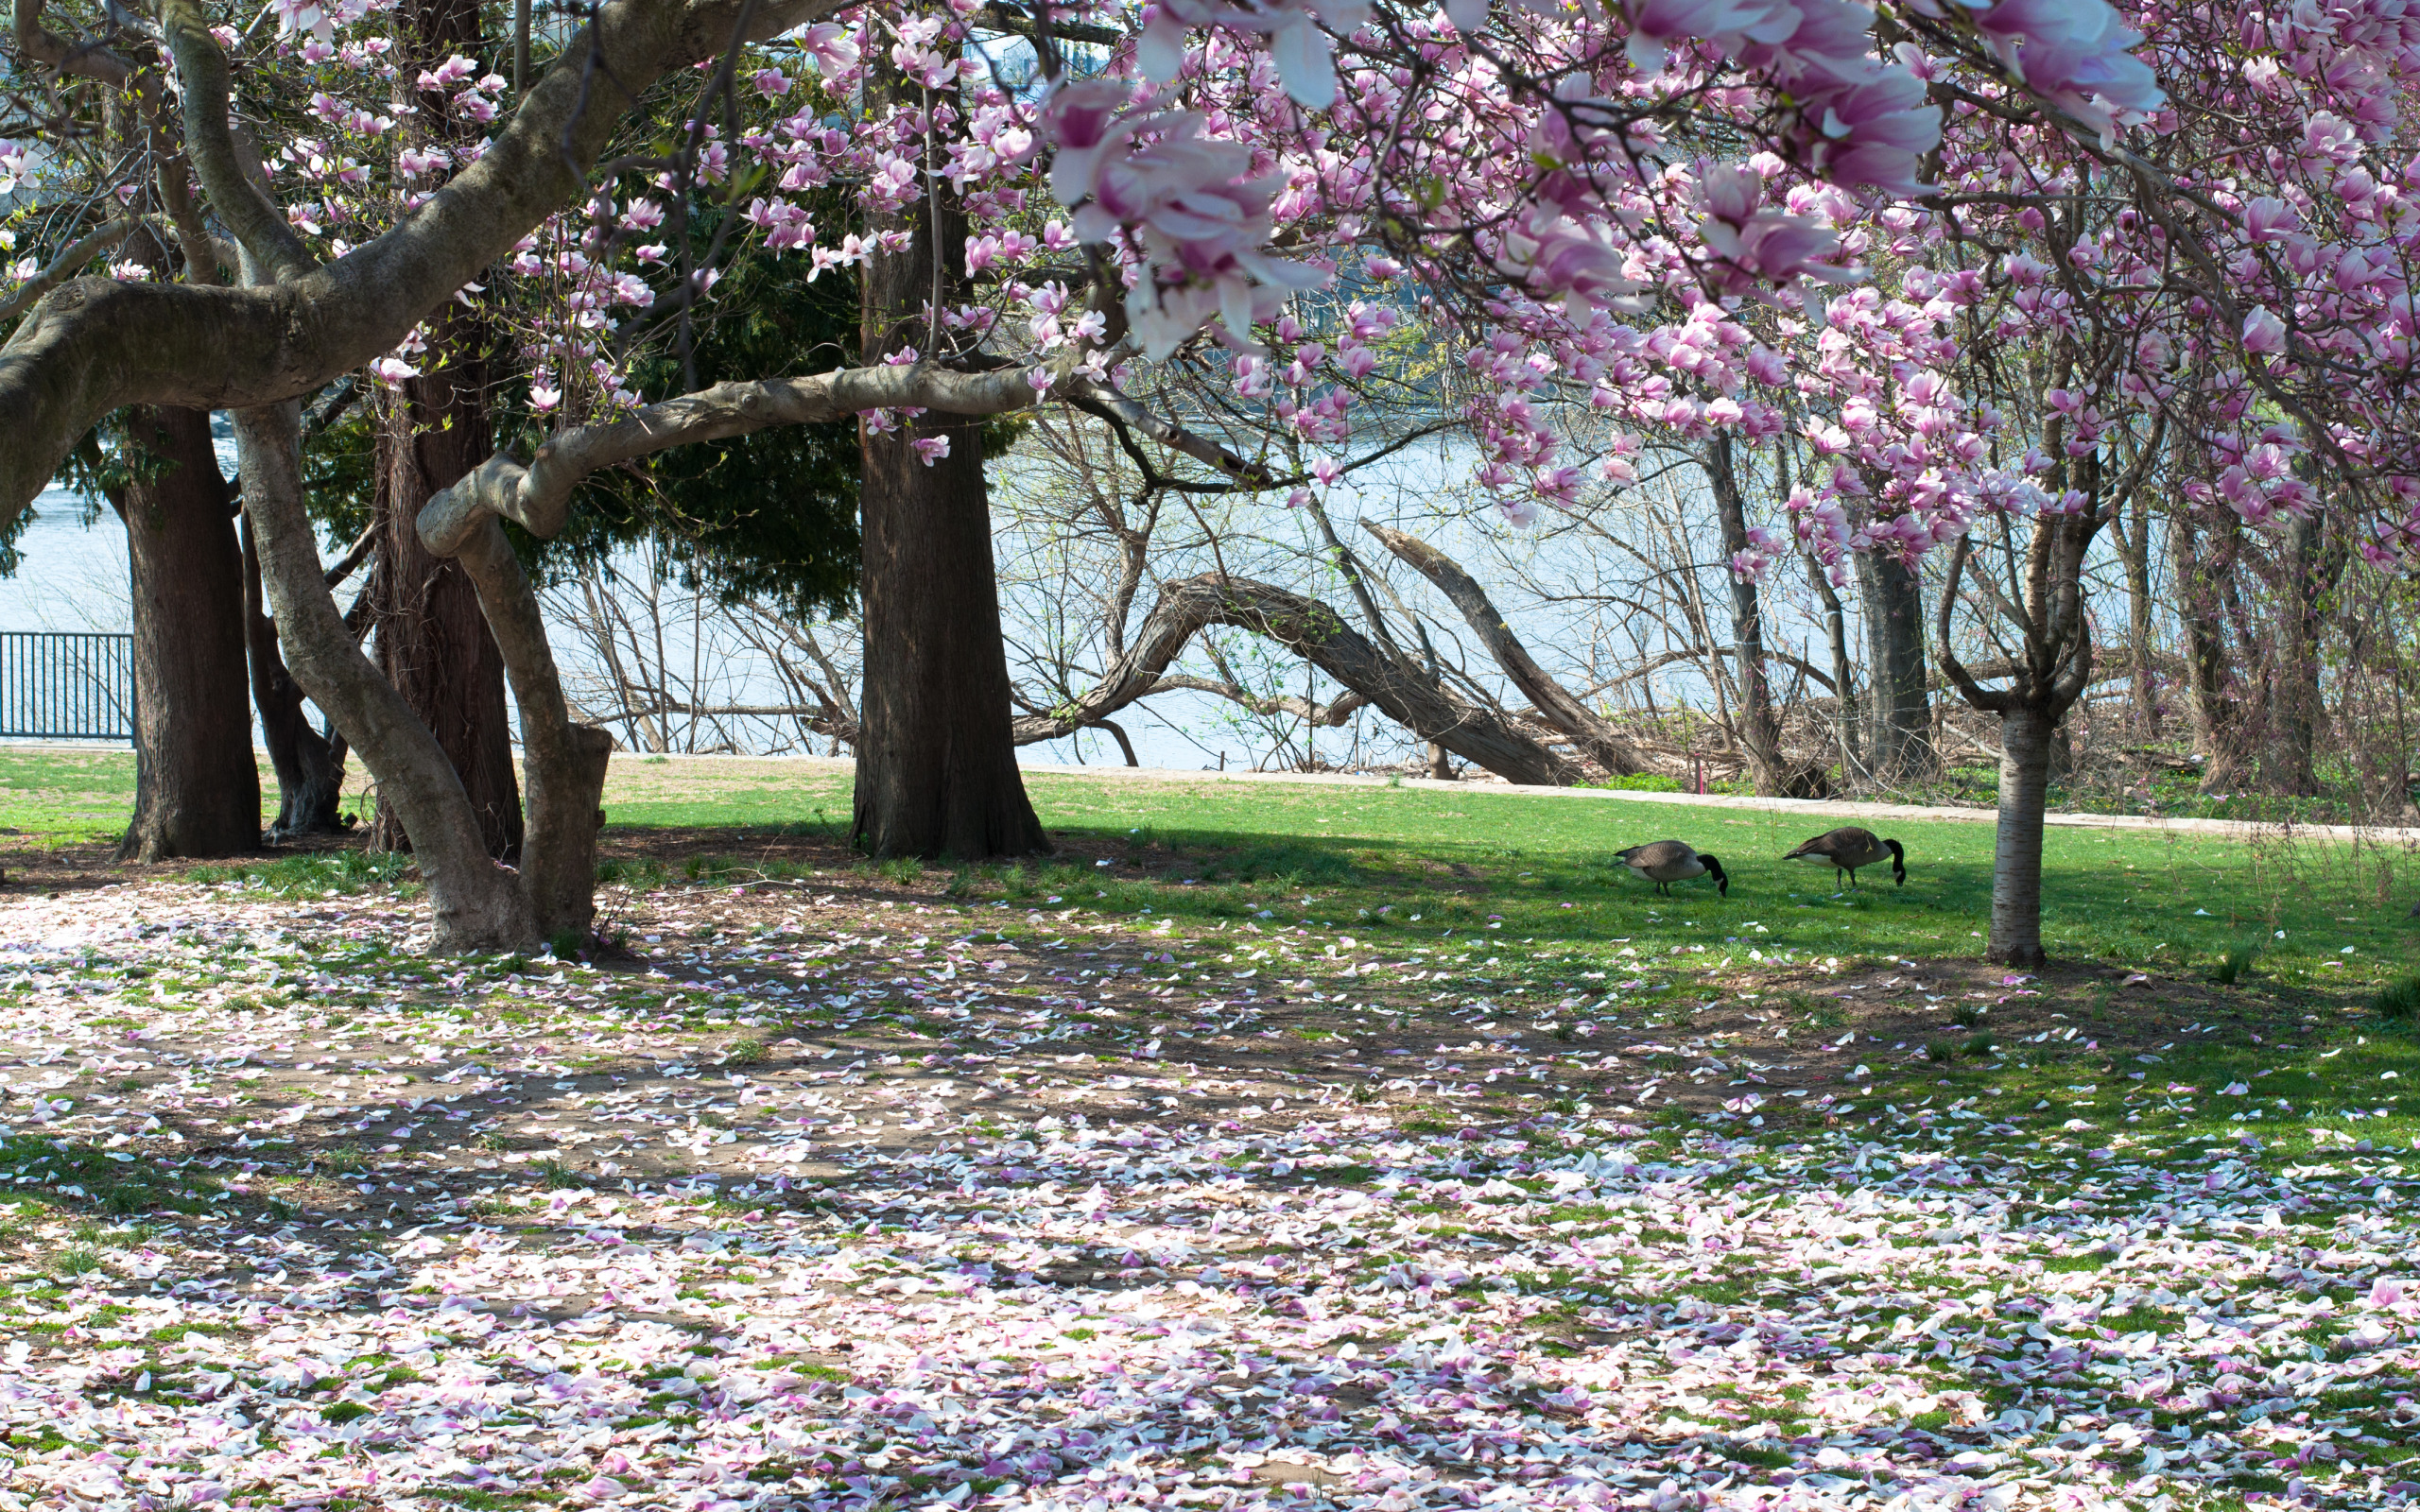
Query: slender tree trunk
{"points": [[2016, 860], [309, 765], [197, 790], [478, 906], [1899, 729], [2134, 553], [2208, 681], [1845, 701], [433, 640], [2296, 711], [567, 762], [937, 768], [1759, 732]]}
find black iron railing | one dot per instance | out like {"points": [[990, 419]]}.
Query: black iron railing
{"points": [[66, 686]]}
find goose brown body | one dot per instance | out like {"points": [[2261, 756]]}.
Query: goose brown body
{"points": [[1848, 847], [1665, 862]]}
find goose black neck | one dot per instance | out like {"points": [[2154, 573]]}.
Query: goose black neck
{"points": [[1898, 861], [1714, 870]]}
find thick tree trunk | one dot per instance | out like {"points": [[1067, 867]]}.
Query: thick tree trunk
{"points": [[433, 642], [1899, 726], [478, 906], [197, 791], [937, 769], [1759, 732], [2017, 859], [309, 765]]}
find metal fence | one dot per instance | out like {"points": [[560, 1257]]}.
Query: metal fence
{"points": [[66, 687]]}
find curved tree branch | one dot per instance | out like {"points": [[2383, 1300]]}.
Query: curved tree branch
{"points": [[94, 345], [1603, 744], [1320, 635], [257, 224]]}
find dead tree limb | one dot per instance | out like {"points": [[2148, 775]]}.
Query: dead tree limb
{"points": [[1318, 635], [1599, 741]]}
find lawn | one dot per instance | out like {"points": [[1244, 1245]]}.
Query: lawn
{"points": [[1270, 1147]]}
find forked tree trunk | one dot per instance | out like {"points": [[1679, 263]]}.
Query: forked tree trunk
{"points": [[1899, 729], [2016, 855], [478, 905], [309, 765], [197, 790], [936, 770]]}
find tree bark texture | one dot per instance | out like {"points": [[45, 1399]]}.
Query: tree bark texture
{"points": [[1899, 722], [937, 768], [433, 428], [2016, 853], [2134, 553], [197, 790], [1835, 639], [566, 760], [1597, 739], [478, 905], [2309, 566], [309, 765], [433, 640]]}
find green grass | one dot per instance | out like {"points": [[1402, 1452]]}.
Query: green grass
{"points": [[1514, 867], [83, 796], [1368, 859]]}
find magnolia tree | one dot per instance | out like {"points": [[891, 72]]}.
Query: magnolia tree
{"points": [[1661, 215]]}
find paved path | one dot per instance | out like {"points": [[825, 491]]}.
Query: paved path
{"points": [[1841, 810]]}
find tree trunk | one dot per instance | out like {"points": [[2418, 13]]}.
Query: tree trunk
{"points": [[478, 906], [567, 762], [937, 769], [1899, 729], [2208, 681], [197, 790], [2296, 713], [2016, 860], [309, 765], [1835, 637], [2134, 553], [433, 640], [1759, 732]]}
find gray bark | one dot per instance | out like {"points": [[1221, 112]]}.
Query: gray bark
{"points": [[1318, 635], [1599, 741], [1899, 718], [478, 905]]}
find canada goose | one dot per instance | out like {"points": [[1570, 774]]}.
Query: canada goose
{"points": [[1849, 847], [1667, 862]]}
